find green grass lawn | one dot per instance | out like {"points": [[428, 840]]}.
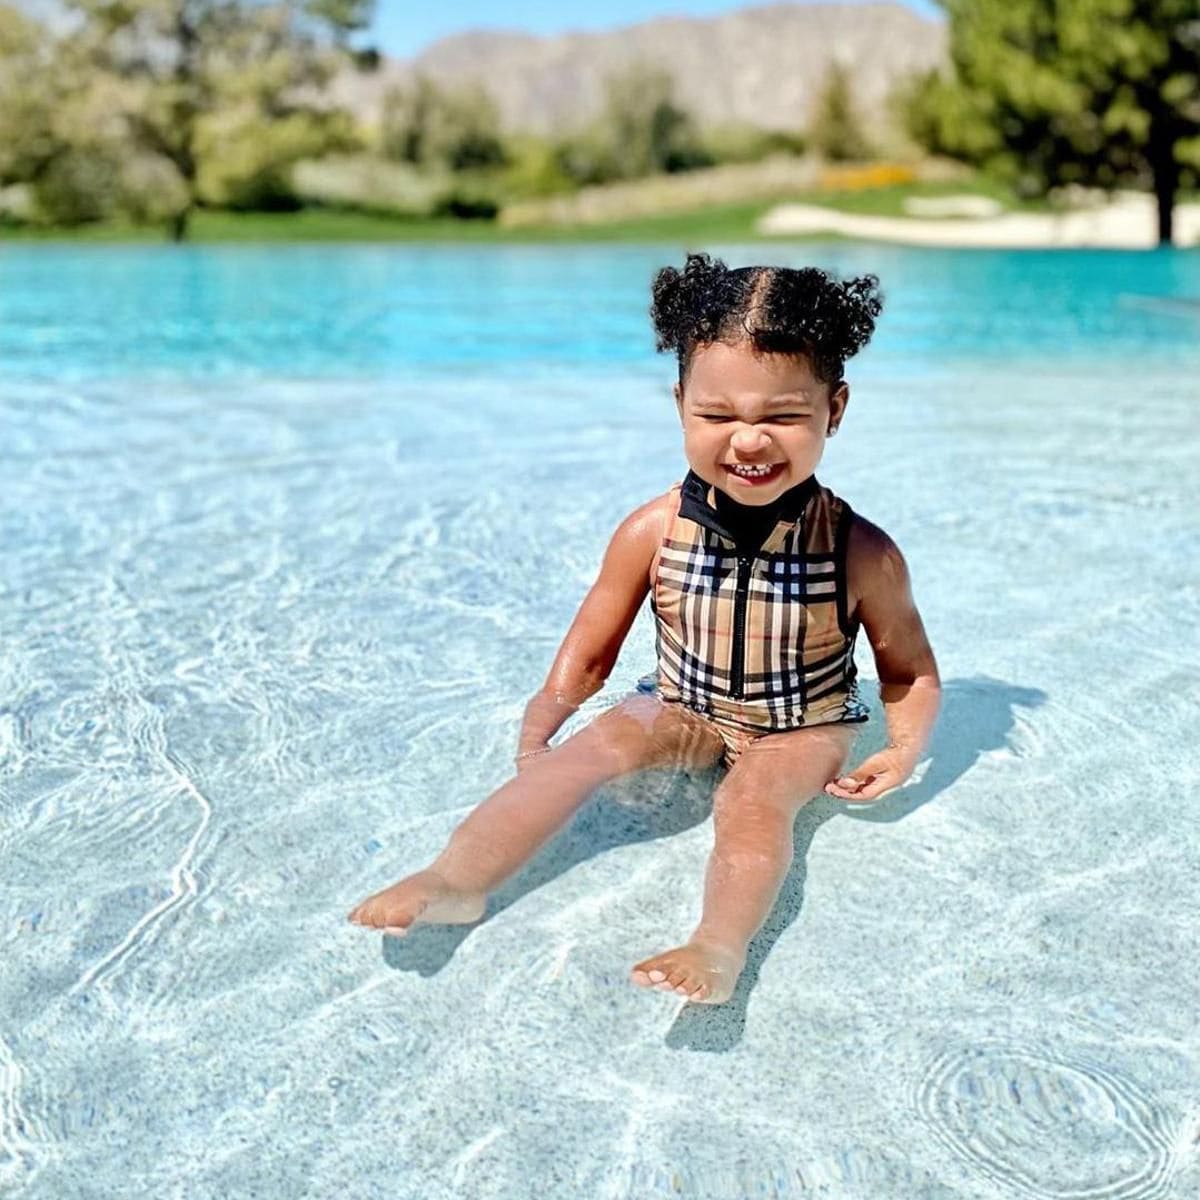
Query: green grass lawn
{"points": [[724, 223], [319, 225]]}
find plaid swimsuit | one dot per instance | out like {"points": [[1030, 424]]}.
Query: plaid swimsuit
{"points": [[756, 641]]}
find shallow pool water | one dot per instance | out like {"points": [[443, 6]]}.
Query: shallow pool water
{"points": [[289, 536]]}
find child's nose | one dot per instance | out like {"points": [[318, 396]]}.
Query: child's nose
{"points": [[749, 439]]}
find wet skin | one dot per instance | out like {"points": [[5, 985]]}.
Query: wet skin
{"points": [[736, 407]]}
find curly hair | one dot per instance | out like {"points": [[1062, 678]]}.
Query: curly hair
{"points": [[780, 310]]}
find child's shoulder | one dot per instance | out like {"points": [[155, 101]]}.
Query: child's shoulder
{"points": [[650, 521], [871, 554], [874, 563], [635, 546]]}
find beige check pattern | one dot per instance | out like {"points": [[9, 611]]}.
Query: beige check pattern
{"points": [[798, 652]]}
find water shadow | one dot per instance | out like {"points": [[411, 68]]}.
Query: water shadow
{"points": [[641, 807], [977, 715]]}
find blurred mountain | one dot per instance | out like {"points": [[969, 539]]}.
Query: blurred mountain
{"points": [[760, 66]]}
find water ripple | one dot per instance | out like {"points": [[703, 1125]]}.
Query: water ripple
{"points": [[1047, 1125], [149, 735], [20, 1134]]}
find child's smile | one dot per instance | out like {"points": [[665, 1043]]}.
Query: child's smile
{"points": [[754, 424], [755, 475]]}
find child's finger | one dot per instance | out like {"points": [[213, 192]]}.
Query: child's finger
{"points": [[845, 788], [876, 786], [870, 787]]}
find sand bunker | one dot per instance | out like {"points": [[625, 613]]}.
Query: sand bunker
{"points": [[1127, 222]]}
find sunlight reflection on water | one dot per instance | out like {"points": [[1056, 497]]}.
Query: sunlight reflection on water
{"points": [[290, 537]]}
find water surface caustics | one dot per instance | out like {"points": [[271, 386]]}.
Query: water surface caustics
{"points": [[289, 537]]}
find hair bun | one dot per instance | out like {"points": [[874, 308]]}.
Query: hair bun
{"points": [[783, 310], [684, 307]]}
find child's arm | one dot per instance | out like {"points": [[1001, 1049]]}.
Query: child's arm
{"points": [[908, 675], [590, 649]]}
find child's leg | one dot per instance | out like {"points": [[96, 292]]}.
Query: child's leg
{"points": [[504, 831], [754, 809]]}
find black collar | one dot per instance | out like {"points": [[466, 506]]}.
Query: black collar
{"points": [[695, 506]]}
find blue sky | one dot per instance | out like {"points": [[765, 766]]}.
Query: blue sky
{"points": [[403, 28]]}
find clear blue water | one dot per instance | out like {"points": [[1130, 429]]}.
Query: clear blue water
{"points": [[289, 537]]}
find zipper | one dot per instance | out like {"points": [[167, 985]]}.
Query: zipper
{"points": [[737, 665]]}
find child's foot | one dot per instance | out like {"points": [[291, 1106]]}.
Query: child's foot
{"points": [[701, 971], [424, 898]]}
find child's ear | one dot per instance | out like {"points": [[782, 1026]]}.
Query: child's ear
{"points": [[677, 390], [839, 397]]}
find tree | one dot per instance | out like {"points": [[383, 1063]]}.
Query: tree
{"points": [[645, 127], [61, 154], [946, 118], [27, 97], [1104, 93], [836, 131], [408, 120], [197, 83], [427, 125], [641, 130]]}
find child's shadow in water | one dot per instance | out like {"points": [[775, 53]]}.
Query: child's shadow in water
{"points": [[637, 808], [977, 715]]}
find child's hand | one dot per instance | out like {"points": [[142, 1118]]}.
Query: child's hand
{"points": [[878, 775]]}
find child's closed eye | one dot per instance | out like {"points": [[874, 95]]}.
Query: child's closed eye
{"points": [[769, 421]]}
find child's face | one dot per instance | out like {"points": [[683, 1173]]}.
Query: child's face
{"points": [[742, 407]]}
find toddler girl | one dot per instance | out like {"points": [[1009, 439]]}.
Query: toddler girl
{"points": [[759, 579]]}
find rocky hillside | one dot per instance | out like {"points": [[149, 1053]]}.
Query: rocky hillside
{"points": [[760, 66]]}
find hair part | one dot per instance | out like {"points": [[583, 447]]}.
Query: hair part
{"points": [[778, 310]]}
